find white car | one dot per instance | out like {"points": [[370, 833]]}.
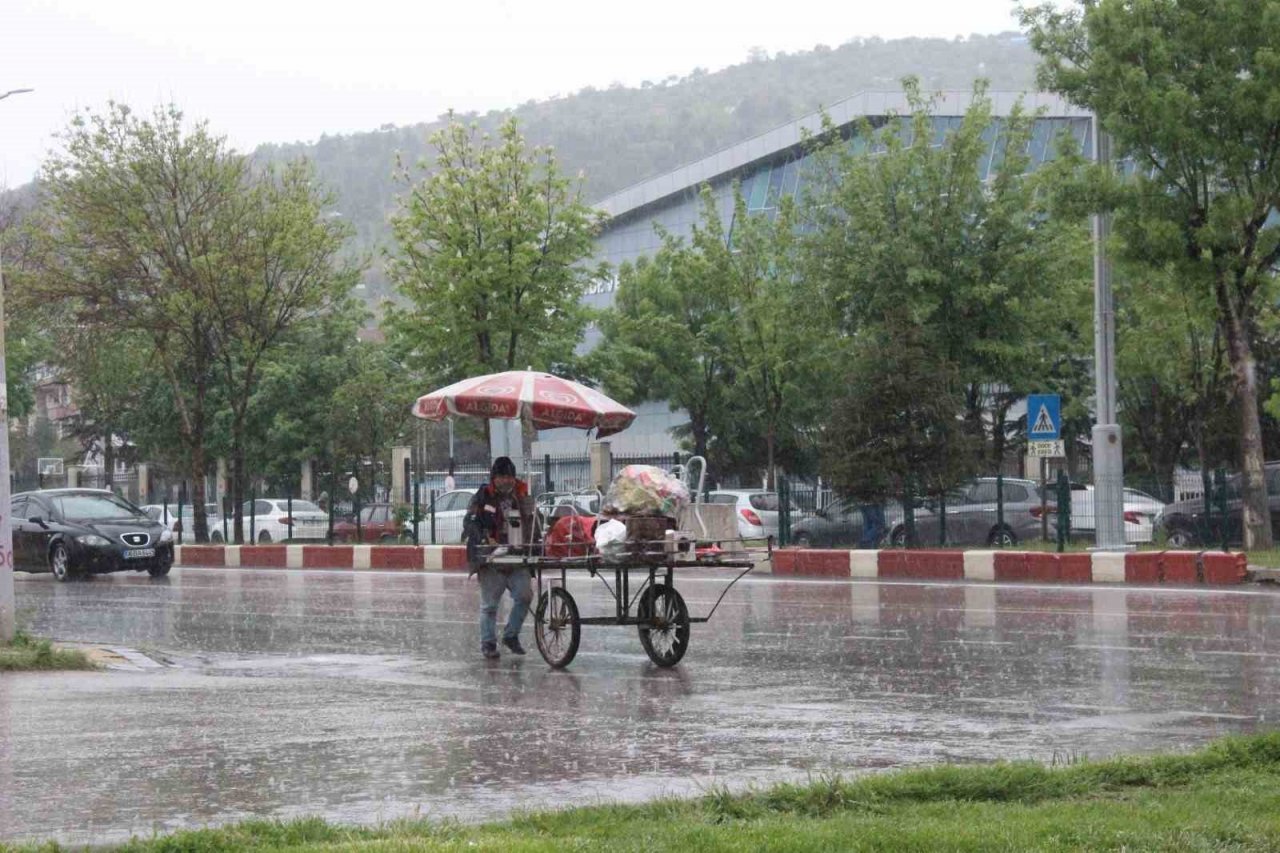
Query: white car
{"points": [[271, 521], [1140, 513], [757, 510], [184, 528], [450, 512]]}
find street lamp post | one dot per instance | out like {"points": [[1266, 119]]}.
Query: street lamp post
{"points": [[8, 622], [1108, 457]]}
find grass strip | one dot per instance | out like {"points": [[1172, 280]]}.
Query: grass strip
{"points": [[26, 653], [1223, 797]]}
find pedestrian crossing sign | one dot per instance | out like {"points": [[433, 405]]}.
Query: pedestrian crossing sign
{"points": [[1044, 417]]}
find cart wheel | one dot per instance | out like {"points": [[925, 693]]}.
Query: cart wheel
{"points": [[556, 628], [664, 625]]}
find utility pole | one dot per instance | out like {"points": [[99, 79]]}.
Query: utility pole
{"points": [[8, 622], [1108, 456]]}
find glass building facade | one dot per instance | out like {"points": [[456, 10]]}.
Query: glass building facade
{"points": [[770, 167]]}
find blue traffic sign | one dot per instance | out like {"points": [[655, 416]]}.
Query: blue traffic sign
{"points": [[1044, 417]]}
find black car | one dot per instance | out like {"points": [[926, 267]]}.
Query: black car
{"points": [[1184, 524], [77, 532]]}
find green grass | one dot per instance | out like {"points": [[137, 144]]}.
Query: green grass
{"points": [[1268, 559], [27, 653], [1223, 797]]}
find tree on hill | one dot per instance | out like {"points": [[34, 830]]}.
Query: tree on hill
{"points": [[617, 136]]}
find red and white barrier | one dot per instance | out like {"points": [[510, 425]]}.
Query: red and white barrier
{"points": [[1145, 567], [410, 558]]}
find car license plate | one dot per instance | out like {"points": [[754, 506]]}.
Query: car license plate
{"points": [[139, 553]]}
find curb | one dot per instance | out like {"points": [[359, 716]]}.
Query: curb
{"points": [[1214, 568], [409, 558]]}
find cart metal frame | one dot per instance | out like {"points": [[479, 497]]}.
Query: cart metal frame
{"points": [[650, 602]]}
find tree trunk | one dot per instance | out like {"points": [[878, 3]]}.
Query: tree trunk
{"points": [[238, 493], [197, 487], [698, 428], [1256, 519], [771, 473], [237, 484], [108, 459]]}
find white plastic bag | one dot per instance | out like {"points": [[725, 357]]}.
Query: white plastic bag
{"points": [[611, 538]]}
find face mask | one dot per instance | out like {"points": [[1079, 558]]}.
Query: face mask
{"points": [[504, 486]]}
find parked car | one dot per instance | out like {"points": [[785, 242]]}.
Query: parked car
{"points": [[757, 510], [840, 524], [1140, 513], [1184, 524], [377, 524], [269, 520], [973, 517], [77, 532], [450, 512], [184, 528]]}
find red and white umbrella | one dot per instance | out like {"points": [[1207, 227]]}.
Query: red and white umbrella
{"points": [[547, 401]]}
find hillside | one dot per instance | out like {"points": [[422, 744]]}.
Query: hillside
{"points": [[620, 135]]}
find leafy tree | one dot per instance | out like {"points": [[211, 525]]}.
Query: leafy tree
{"points": [[1173, 390], [898, 437], [281, 266], [665, 337], [721, 328], [1187, 90], [106, 371], [492, 251], [906, 231], [158, 231], [370, 410], [132, 241], [290, 408], [27, 342], [774, 345]]}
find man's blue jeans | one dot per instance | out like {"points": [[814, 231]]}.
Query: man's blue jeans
{"points": [[492, 584]]}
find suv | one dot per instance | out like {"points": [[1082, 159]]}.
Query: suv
{"points": [[1184, 525], [973, 516]]}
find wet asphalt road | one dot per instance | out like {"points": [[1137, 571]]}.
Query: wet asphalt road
{"points": [[362, 697]]}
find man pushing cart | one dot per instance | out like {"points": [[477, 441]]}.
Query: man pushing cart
{"points": [[650, 528]]}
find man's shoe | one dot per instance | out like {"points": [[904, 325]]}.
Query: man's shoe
{"points": [[490, 651], [513, 643]]}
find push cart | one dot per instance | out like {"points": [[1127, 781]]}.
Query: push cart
{"points": [[643, 585], [643, 591], [644, 576]]}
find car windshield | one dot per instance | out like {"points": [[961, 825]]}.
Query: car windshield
{"points": [[78, 507], [302, 506]]}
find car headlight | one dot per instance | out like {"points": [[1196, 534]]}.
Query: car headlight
{"points": [[92, 540], [166, 535]]}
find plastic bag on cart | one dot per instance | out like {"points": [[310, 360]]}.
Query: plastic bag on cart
{"points": [[646, 490], [611, 538], [571, 536]]}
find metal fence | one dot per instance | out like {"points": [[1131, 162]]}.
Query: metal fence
{"points": [[1003, 512]]}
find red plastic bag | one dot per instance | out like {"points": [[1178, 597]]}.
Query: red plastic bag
{"points": [[571, 536]]}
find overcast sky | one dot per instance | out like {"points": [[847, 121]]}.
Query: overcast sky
{"points": [[281, 71]]}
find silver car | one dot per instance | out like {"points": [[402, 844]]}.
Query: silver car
{"points": [[974, 518]]}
